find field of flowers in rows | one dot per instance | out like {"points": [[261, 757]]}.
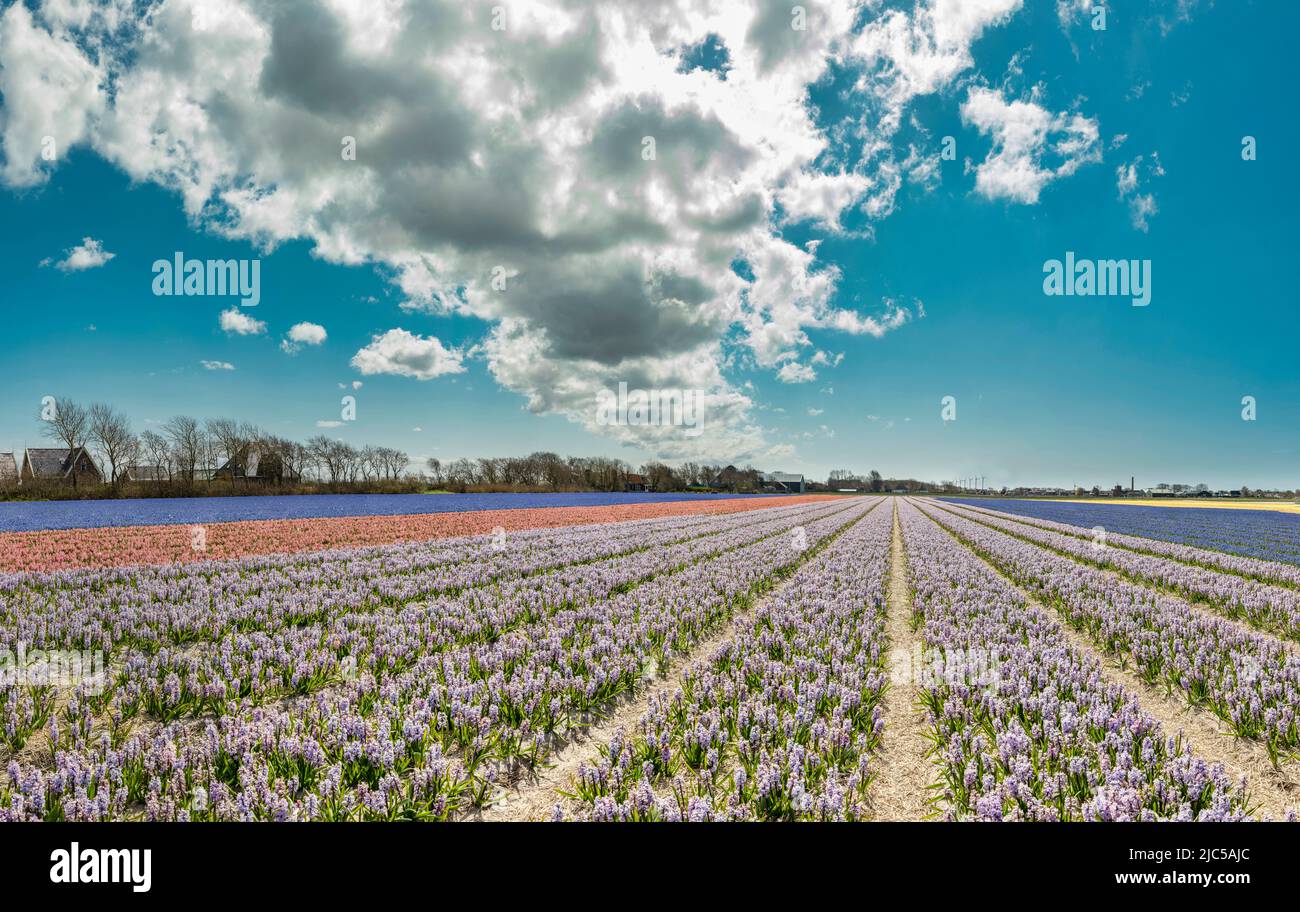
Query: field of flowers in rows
{"points": [[780, 721], [115, 546], [212, 510], [397, 682], [748, 661], [1265, 534], [1050, 738]]}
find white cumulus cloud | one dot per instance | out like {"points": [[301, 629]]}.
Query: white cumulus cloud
{"points": [[407, 355], [238, 323], [1031, 146], [794, 372], [501, 175], [89, 254], [1130, 178], [301, 334]]}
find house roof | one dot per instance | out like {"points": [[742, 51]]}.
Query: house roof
{"points": [[146, 473], [52, 462], [57, 462], [8, 467], [245, 462]]}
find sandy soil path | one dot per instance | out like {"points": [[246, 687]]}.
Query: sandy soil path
{"points": [[903, 770]]}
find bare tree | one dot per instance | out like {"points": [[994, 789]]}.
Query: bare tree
{"points": [[350, 457], [229, 438], [157, 450], [341, 461], [371, 462], [488, 471], [66, 423], [110, 432], [394, 462], [461, 472], [291, 456], [189, 444], [321, 449]]}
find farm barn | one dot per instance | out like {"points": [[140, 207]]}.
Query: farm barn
{"points": [[59, 465]]}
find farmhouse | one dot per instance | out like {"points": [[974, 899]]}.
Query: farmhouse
{"points": [[144, 473], [8, 470], [783, 481], [252, 463], [60, 465]]}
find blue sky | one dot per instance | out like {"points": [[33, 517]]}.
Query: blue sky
{"points": [[1049, 390]]}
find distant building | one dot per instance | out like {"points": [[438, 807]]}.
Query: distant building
{"points": [[252, 463], [8, 470], [1163, 491], [782, 481], [636, 483], [144, 473], [59, 465]]}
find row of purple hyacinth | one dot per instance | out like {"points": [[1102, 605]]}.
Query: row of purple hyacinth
{"points": [[1266, 571], [1248, 679], [262, 665], [151, 607], [1047, 737], [296, 655], [1272, 608], [416, 742], [779, 722]]}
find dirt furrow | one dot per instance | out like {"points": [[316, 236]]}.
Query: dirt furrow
{"points": [[903, 769]]}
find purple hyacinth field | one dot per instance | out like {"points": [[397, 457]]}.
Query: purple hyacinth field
{"points": [[545, 448], [846, 659]]}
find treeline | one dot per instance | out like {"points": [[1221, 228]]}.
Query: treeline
{"points": [[184, 456], [185, 452], [550, 471], [874, 482]]}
